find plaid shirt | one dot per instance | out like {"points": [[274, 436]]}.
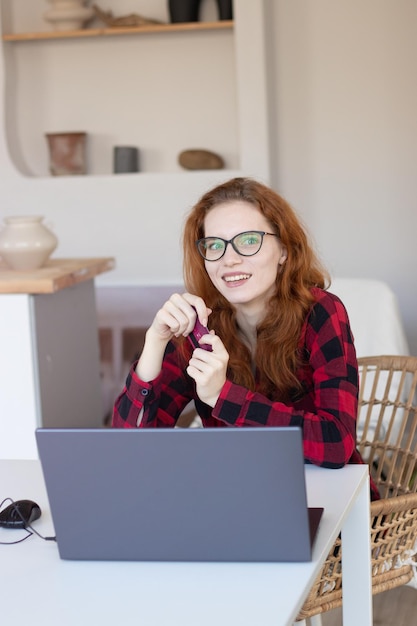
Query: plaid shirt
{"points": [[326, 409]]}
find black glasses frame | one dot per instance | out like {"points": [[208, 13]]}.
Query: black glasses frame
{"points": [[232, 242]]}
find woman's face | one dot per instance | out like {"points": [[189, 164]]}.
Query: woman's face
{"points": [[247, 282]]}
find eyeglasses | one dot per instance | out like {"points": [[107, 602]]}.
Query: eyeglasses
{"points": [[245, 244]]}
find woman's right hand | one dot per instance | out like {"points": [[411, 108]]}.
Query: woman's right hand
{"points": [[178, 316], [175, 318]]}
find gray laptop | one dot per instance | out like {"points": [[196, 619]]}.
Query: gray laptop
{"points": [[226, 494]]}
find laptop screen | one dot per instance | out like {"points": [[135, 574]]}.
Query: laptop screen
{"points": [[224, 494]]}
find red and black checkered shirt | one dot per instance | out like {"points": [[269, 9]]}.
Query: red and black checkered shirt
{"points": [[326, 410]]}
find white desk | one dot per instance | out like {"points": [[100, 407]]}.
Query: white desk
{"points": [[37, 585]]}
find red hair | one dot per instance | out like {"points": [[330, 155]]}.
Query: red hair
{"points": [[276, 356]]}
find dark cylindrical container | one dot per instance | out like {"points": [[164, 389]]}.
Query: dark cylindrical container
{"points": [[184, 10], [125, 159], [225, 8]]}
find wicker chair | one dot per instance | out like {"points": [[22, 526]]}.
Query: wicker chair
{"points": [[387, 440]]}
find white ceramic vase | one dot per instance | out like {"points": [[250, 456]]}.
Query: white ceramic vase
{"points": [[68, 14], [26, 243]]}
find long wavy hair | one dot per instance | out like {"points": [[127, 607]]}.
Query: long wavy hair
{"points": [[277, 358]]}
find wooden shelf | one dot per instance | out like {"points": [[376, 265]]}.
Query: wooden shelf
{"points": [[105, 32], [55, 275]]}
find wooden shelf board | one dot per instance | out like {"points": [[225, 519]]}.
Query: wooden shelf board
{"points": [[55, 275], [105, 32]]}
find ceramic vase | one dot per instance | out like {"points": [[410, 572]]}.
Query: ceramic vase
{"points": [[189, 10], [184, 10], [26, 243], [67, 153], [68, 14], [225, 9]]}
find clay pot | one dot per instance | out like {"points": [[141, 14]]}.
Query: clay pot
{"points": [[25, 243], [67, 153]]}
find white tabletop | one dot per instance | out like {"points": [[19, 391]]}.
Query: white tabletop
{"points": [[34, 581]]}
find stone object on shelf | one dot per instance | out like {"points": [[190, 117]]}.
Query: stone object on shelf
{"points": [[198, 159], [26, 243], [68, 14], [67, 153], [131, 20]]}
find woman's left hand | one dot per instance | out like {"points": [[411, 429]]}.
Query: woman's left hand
{"points": [[208, 369]]}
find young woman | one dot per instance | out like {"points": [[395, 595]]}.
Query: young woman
{"points": [[282, 351]]}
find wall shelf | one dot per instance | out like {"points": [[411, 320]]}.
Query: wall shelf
{"points": [[65, 69], [156, 91], [105, 32]]}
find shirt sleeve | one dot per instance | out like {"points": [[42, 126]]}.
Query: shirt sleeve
{"points": [[327, 411], [158, 403]]}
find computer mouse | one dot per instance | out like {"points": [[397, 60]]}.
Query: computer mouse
{"points": [[19, 514]]}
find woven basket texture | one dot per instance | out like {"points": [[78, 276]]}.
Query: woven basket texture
{"points": [[387, 440]]}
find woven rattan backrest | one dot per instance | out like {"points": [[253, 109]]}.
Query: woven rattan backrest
{"points": [[387, 422]]}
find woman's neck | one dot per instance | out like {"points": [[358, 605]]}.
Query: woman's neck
{"points": [[247, 325]]}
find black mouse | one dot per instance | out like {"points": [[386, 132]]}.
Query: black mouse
{"points": [[20, 514]]}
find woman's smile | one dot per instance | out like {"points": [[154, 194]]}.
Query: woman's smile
{"points": [[235, 280]]}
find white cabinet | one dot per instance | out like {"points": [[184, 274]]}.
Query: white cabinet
{"points": [[49, 358]]}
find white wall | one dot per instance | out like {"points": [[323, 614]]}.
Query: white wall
{"points": [[345, 121], [343, 132], [136, 218]]}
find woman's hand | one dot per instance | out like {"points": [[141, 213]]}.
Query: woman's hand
{"points": [[178, 315], [208, 369], [175, 318]]}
